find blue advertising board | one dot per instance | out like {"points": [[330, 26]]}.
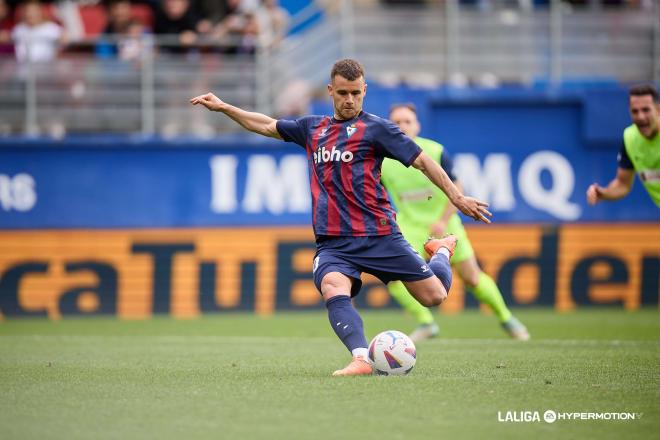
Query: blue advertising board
{"points": [[531, 159]]}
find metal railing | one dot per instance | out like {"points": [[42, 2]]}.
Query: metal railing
{"points": [[84, 92], [451, 43], [146, 93]]}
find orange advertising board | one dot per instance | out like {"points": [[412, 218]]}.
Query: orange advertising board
{"points": [[186, 272]]}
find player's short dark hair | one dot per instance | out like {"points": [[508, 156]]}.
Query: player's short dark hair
{"points": [[409, 105], [643, 90], [347, 68]]}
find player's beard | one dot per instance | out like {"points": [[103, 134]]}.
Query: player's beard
{"points": [[348, 113], [648, 130]]}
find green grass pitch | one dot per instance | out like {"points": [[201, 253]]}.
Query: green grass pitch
{"points": [[238, 376]]}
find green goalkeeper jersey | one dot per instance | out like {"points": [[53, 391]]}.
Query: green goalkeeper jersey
{"points": [[645, 157], [417, 200]]}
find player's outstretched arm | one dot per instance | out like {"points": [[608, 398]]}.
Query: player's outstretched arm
{"points": [[617, 189], [252, 121], [469, 206]]}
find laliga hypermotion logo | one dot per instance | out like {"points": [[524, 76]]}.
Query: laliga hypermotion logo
{"points": [[333, 155]]}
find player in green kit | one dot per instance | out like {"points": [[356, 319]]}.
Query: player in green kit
{"points": [[424, 211], [640, 152]]}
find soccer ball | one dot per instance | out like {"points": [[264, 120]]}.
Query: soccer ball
{"points": [[392, 353]]}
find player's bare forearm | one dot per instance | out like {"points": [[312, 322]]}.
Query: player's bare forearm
{"points": [[617, 189], [469, 206], [251, 121], [451, 208], [437, 175]]}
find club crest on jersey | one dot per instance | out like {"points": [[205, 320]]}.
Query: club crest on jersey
{"points": [[350, 130], [334, 155]]}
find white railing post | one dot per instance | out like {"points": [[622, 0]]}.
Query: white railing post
{"points": [[656, 41], [147, 82], [555, 41], [31, 128], [265, 97], [347, 31], [452, 61]]}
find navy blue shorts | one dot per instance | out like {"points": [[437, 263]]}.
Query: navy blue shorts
{"points": [[387, 257]]}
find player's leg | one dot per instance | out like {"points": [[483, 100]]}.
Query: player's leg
{"points": [[428, 292], [486, 291], [337, 280], [391, 258], [481, 285], [440, 251], [399, 292], [426, 326], [433, 290], [344, 318]]}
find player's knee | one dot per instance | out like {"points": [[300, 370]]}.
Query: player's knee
{"points": [[469, 272], [433, 297], [335, 283], [471, 279], [429, 292], [439, 297]]}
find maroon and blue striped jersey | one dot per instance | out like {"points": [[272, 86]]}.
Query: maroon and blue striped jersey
{"points": [[344, 159]]}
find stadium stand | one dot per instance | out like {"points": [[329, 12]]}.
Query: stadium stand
{"points": [[425, 44]]}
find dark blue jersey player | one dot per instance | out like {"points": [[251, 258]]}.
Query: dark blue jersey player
{"points": [[353, 220], [345, 158]]}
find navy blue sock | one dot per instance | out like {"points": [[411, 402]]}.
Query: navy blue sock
{"points": [[441, 267], [346, 322]]}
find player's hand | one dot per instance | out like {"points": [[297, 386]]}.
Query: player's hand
{"points": [[474, 208], [210, 101], [594, 193]]}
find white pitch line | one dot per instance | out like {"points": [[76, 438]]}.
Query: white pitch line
{"points": [[440, 341]]}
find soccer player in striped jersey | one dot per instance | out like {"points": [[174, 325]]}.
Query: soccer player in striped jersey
{"points": [[353, 221], [423, 210]]}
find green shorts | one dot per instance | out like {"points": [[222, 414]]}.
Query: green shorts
{"points": [[417, 236]]}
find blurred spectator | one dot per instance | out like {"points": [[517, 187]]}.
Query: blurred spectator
{"points": [[211, 13], [530, 4], [596, 4], [176, 18], [249, 35], [68, 15], [232, 8], [273, 21], [487, 5], [294, 100], [211, 10], [36, 38], [403, 2], [120, 17], [6, 25], [239, 28], [122, 36]]}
